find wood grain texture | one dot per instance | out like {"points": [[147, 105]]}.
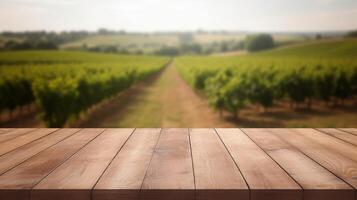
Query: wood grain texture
{"points": [[216, 174], [21, 154], [347, 137], [350, 130], [5, 130], [263, 175], [170, 173], [21, 179], [176, 164], [327, 156], [317, 182], [327, 141], [14, 133], [77, 176], [125, 175], [19, 141]]}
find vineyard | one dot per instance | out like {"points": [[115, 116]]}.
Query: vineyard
{"points": [[64, 84], [325, 71]]}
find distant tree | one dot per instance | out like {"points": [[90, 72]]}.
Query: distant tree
{"points": [[185, 38], [45, 45], [109, 49], [15, 45], [103, 31], [238, 46], [167, 51], [193, 48], [259, 42], [10, 44], [139, 52], [224, 46], [84, 46], [318, 37], [40, 39], [352, 34], [123, 51]]}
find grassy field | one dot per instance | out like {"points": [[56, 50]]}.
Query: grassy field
{"points": [[131, 42], [336, 48]]}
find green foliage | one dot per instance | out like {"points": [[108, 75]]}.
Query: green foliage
{"points": [[259, 42], [343, 85], [231, 82], [234, 95], [324, 49], [213, 87], [297, 85], [15, 91], [324, 84], [261, 87], [352, 34], [63, 84]]}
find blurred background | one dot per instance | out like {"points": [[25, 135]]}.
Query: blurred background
{"points": [[202, 63]]}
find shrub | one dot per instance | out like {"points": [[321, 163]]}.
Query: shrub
{"points": [[259, 42]]}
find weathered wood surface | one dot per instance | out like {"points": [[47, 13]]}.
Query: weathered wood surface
{"points": [[187, 164]]}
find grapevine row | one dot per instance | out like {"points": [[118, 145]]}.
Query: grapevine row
{"points": [[232, 83], [63, 91]]}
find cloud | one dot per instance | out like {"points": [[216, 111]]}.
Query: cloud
{"points": [[150, 15]]}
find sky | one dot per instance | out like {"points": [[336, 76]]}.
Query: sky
{"points": [[178, 15]]}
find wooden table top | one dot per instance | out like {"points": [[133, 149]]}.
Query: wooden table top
{"points": [[178, 164]]}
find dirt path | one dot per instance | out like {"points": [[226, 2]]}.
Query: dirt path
{"points": [[162, 101]]}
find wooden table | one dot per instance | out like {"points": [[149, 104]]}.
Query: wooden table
{"points": [[178, 164]]}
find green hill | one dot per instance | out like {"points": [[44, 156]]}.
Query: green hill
{"points": [[325, 48]]}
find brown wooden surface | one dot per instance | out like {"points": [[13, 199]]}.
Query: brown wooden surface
{"points": [[317, 182], [19, 141], [215, 170], [170, 171], [4, 130], [13, 133], [263, 175], [345, 136], [25, 152], [125, 175], [22, 178], [187, 164], [350, 130], [78, 175]]}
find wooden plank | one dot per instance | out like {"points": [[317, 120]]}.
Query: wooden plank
{"points": [[125, 175], [14, 133], [337, 145], [19, 141], [350, 130], [216, 174], [317, 182], [266, 179], [16, 183], [5, 130], [76, 177], [327, 156], [347, 137], [170, 173], [21, 154]]}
